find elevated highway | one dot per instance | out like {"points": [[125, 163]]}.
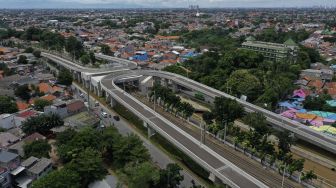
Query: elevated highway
{"points": [[232, 172]]}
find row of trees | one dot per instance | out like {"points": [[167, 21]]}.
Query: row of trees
{"points": [[256, 139], [51, 41], [85, 153], [41, 123], [170, 101]]}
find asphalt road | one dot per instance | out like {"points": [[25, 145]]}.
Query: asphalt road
{"points": [[124, 128]]}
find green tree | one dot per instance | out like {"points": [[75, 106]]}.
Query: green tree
{"points": [[29, 50], [22, 59], [86, 138], [89, 166], [85, 59], [37, 53], [23, 92], [42, 123], [258, 124], [65, 136], [110, 137], [5, 69], [170, 177], [37, 148], [284, 144], [7, 105], [208, 117], [105, 49], [227, 109], [308, 176], [59, 178], [39, 104], [129, 149], [296, 165], [92, 57], [141, 175], [242, 82], [74, 47], [65, 77]]}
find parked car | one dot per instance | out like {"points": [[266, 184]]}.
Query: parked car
{"points": [[104, 114], [117, 118]]}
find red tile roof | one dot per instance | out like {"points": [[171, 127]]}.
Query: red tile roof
{"points": [[48, 97], [27, 114], [45, 88], [75, 106], [21, 105]]}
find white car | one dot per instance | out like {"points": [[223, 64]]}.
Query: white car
{"points": [[104, 114]]}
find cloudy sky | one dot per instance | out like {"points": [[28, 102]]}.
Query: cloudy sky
{"points": [[160, 3]]}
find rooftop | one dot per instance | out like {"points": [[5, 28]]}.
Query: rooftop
{"points": [[40, 166], [6, 156], [7, 139], [29, 162]]}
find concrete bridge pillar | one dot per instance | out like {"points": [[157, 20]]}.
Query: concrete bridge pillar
{"points": [[143, 89], [150, 130], [79, 78], [98, 91], [174, 87], [108, 97], [214, 178], [113, 102]]}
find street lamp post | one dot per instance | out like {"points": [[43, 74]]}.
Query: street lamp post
{"points": [[154, 100], [225, 130], [283, 177], [88, 94]]}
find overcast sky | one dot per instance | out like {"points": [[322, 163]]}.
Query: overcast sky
{"points": [[160, 3]]}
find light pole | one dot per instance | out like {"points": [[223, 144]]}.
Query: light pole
{"points": [[202, 132], [154, 100], [225, 130], [88, 94], [283, 177]]}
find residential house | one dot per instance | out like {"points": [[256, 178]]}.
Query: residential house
{"points": [[8, 121], [7, 139], [9, 160], [18, 147], [75, 106], [36, 168], [66, 109], [58, 108]]}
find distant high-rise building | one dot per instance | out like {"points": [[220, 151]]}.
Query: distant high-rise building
{"points": [[273, 51], [193, 7]]}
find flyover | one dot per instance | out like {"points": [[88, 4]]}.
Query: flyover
{"points": [[227, 166], [235, 174]]}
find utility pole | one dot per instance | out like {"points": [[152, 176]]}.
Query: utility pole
{"points": [[225, 130], [283, 177], [154, 100], [88, 95], [202, 133]]}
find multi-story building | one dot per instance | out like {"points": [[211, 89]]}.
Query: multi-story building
{"points": [[273, 51]]}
